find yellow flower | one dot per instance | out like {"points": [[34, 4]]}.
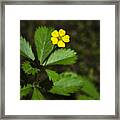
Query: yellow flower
{"points": [[60, 38]]}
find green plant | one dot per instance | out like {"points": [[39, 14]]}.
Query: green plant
{"points": [[50, 51]]}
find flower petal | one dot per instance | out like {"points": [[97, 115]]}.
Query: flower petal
{"points": [[66, 38], [61, 43], [55, 33], [54, 40], [62, 32]]}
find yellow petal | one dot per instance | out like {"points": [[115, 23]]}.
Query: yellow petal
{"points": [[54, 40], [55, 33], [66, 38], [61, 32], [61, 43]]}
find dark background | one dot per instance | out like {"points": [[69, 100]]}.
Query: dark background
{"points": [[84, 39]]}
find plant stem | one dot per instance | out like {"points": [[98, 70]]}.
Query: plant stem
{"points": [[54, 48]]}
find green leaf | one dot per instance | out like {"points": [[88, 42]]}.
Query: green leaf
{"points": [[84, 97], [62, 56], [89, 88], [68, 83], [52, 75], [37, 95], [25, 90], [26, 49], [28, 69], [43, 43]]}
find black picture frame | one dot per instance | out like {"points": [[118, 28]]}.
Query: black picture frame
{"points": [[117, 56]]}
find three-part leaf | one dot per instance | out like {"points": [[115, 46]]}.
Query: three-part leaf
{"points": [[52, 75], [70, 82], [28, 69], [66, 84], [37, 95], [62, 56], [25, 90], [26, 49], [43, 43]]}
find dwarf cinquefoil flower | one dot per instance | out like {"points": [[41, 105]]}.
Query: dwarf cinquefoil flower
{"points": [[59, 38]]}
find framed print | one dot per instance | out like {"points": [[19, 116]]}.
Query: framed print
{"points": [[60, 59]]}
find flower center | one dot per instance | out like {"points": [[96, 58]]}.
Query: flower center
{"points": [[60, 38]]}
